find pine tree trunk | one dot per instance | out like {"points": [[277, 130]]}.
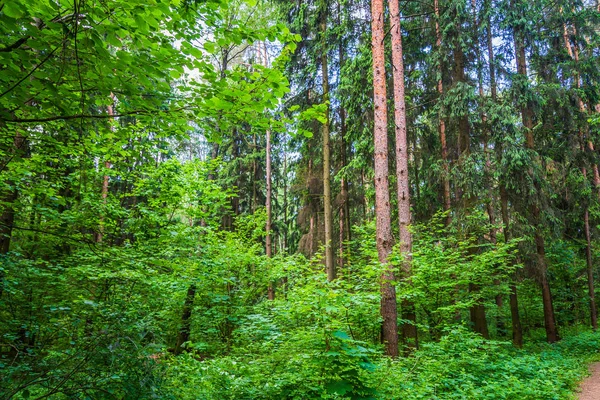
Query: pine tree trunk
{"points": [[574, 53], [441, 121], [329, 264], [7, 217], [590, 270], [517, 330], [345, 207], [285, 198], [409, 330], [389, 314], [268, 245]]}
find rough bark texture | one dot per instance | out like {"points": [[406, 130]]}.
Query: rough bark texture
{"points": [[409, 330], [329, 264], [389, 331], [527, 119], [441, 121]]}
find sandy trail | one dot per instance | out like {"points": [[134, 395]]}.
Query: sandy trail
{"points": [[590, 387]]}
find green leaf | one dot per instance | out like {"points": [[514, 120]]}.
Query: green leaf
{"points": [[13, 10], [210, 47], [341, 335]]}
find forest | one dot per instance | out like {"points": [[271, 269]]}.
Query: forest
{"points": [[298, 199]]}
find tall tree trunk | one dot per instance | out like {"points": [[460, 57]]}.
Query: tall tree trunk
{"points": [[329, 264], [7, 217], [345, 206], [590, 270], [254, 176], [441, 121], [271, 288], [486, 133], [517, 329], [7, 220], [389, 331], [409, 329], [268, 244], [574, 53], [285, 198], [527, 119]]}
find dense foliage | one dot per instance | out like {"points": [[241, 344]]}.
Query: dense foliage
{"points": [[190, 208]]}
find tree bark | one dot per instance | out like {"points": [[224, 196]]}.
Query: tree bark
{"points": [[268, 245], [517, 330], [344, 222], [574, 53], [409, 330], [441, 121], [285, 197], [7, 217], [590, 270], [389, 314], [329, 264]]}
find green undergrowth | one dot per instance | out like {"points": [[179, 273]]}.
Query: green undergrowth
{"points": [[461, 365]]}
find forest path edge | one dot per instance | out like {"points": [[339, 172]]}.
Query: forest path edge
{"points": [[589, 388]]}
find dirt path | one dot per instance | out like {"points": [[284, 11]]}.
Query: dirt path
{"points": [[590, 387]]}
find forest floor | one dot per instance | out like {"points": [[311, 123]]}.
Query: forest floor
{"points": [[590, 387]]}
